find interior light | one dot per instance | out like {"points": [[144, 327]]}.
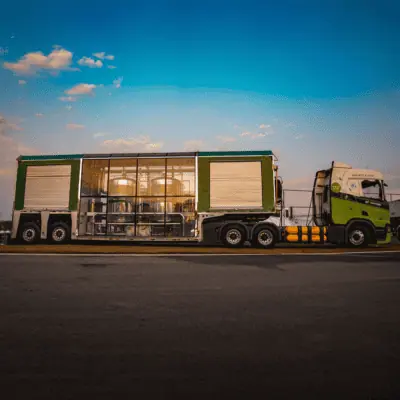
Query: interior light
{"points": [[122, 182]]}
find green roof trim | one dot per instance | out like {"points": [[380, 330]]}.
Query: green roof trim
{"points": [[235, 153], [51, 157]]}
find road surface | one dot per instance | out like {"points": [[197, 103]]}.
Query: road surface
{"points": [[200, 327]]}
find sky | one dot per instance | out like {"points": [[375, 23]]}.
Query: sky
{"points": [[313, 81]]}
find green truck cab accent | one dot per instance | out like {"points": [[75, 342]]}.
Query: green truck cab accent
{"points": [[267, 177], [344, 210], [21, 179]]}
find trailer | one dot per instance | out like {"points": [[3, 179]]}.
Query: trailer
{"points": [[227, 198], [394, 207]]}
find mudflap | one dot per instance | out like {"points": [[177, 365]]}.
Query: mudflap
{"points": [[337, 235]]}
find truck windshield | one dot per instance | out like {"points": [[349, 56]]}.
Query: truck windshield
{"points": [[373, 189]]}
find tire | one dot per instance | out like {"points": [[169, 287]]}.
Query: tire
{"points": [[264, 237], [59, 233], [29, 233], [358, 236], [233, 236]]}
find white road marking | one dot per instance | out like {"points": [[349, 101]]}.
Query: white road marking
{"points": [[365, 253]]}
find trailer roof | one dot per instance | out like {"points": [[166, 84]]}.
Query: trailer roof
{"points": [[147, 155]]}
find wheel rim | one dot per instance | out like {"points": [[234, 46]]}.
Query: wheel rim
{"points": [[265, 237], [233, 236], [357, 237], [58, 234], [29, 235]]}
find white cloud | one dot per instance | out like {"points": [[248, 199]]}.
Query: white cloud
{"points": [[21, 82], [81, 88], [193, 145], [226, 139], [15, 127], [154, 146], [39, 115], [264, 126], [10, 149], [99, 134], [75, 126], [117, 82], [89, 62], [243, 134], [67, 98], [68, 107], [111, 66], [236, 126], [59, 59], [103, 56], [140, 143], [6, 125], [299, 136]]}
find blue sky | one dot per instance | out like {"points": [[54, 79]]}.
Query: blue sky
{"points": [[314, 83]]}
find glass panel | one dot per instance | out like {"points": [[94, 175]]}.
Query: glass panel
{"points": [[150, 216], [180, 205], [151, 205], [92, 216], [180, 218], [122, 177], [371, 189], [181, 177], [94, 178], [121, 216], [180, 225], [151, 178]]}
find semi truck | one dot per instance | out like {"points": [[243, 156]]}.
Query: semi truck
{"points": [[394, 207], [221, 197]]}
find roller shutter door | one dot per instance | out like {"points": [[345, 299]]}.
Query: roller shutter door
{"points": [[235, 185], [47, 187]]}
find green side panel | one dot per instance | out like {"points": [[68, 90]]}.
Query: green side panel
{"points": [[21, 179], [20, 187], [345, 210], [204, 181], [388, 239], [235, 153], [52, 157]]}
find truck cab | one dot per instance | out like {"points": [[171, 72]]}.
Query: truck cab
{"points": [[352, 204], [394, 207]]}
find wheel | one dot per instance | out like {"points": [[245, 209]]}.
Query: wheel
{"points": [[358, 236], [29, 233], [233, 236], [59, 233], [264, 237]]}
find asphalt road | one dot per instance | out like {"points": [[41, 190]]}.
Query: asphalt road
{"points": [[193, 327]]}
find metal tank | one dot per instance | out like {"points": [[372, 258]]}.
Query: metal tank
{"points": [[122, 186], [174, 187]]}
